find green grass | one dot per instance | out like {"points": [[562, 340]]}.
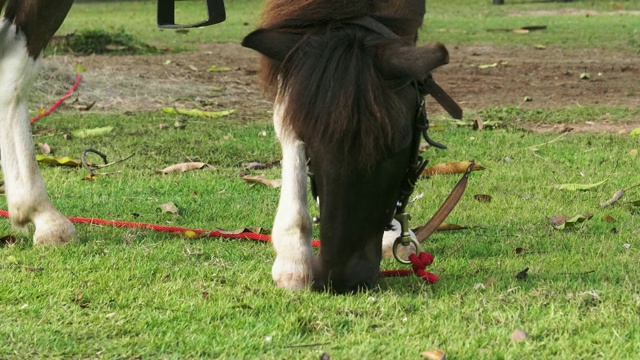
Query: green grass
{"points": [[108, 294], [450, 22], [129, 308]]}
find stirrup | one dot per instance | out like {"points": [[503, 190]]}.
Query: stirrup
{"points": [[166, 14]]}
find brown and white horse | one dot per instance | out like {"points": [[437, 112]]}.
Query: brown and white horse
{"points": [[342, 73]]}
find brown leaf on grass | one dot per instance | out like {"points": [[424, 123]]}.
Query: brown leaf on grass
{"points": [[8, 240], [451, 227], [255, 230], [183, 167], [482, 198], [1, 187], [45, 149], [254, 165], [617, 196], [557, 220], [489, 281], [609, 218], [260, 179], [434, 354], [166, 278], [450, 168], [32, 269], [478, 124], [169, 207], [522, 275], [519, 335], [560, 222], [519, 250]]}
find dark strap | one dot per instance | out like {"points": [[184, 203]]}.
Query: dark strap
{"points": [[429, 86], [445, 209], [166, 14], [374, 26]]}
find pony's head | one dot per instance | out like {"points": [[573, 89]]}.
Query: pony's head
{"points": [[345, 74]]}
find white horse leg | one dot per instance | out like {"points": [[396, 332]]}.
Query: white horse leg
{"points": [[292, 228], [26, 194]]}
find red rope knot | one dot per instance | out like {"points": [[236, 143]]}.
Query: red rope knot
{"points": [[419, 263]]}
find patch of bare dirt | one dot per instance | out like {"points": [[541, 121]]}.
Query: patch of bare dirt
{"points": [[549, 77]]}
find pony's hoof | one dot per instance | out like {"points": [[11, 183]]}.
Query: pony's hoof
{"points": [[290, 275], [53, 229]]}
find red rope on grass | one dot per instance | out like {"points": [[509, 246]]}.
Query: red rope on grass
{"points": [[419, 262], [59, 102]]}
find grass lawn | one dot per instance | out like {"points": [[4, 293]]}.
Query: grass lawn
{"points": [[127, 293]]}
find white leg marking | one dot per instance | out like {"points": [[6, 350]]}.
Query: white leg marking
{"points": [[292, 228], [25, 190], [388, 239]]}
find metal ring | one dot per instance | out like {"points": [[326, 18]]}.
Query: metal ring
{"points": [[398, 242]]}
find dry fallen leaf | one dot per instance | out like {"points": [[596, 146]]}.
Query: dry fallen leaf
{"points": [[255, 230], [450, 168], [254, 165], [169, 207], [166, 278], [519, 335], [8, 240], [609, 218], [522, 275], [260, 179], [482, 197], [478, 124], [59, 161], [619, 194], [182, 167], [557, 220], [560, 222], [45, 149], [434, 354], [519, 250], [576, 187], [449, 227]]}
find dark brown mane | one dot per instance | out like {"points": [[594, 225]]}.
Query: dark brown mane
{"points": [[335, 93]]}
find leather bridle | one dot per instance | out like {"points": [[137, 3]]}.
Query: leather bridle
{"points": [[426, 86]]}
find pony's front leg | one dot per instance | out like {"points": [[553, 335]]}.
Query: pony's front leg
{"points": [[27, 197], [292, 228]]}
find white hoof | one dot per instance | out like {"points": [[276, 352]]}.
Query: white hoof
{"points": [[53, 229], [291, 275], [389, 238]]}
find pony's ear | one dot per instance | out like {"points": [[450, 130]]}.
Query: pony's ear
{"points": [[274, 44], [410, 61]]}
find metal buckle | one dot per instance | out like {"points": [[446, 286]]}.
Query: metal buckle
{"points": [[405, 238], [166, 14]]}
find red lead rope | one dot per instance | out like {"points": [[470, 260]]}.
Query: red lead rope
{"points": [[60, 101], [419, 262]]}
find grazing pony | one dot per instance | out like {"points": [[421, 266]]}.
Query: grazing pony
{"points": [[345, 77]]}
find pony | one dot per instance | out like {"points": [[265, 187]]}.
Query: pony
{"points": [[345, 78]]}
